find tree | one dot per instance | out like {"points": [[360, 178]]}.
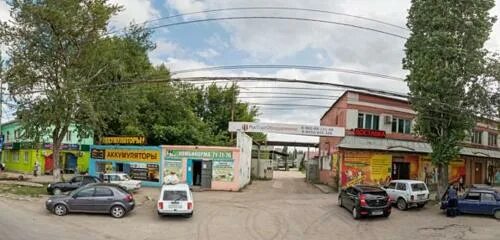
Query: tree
{"points": [[62, 67], [448, 73]]}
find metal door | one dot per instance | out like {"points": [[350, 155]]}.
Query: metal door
{"points": [[189, 172], [206, 174], [478, 173]]}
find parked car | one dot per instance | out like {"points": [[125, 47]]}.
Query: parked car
{"points": [[176, 200], [364, 200], [484, 201], [93, 198], [123, 180], [408, 193], [75, 182]]}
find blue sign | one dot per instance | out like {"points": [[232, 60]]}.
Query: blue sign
{"points": [[1, 139]]}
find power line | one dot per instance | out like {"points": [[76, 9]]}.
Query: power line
{"points": [[295, 94], [279, 18], [279, 8], [304, 67]]}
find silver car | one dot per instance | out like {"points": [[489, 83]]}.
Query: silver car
{"points": [[93, 198]]}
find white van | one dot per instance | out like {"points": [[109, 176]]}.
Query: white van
{"points": [[175, 200]]}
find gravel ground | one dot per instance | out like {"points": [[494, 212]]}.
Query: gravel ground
{"points": [[285, 208]]}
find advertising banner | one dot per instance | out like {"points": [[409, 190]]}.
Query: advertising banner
{"points": [[193, 154], [365, 168], [123, 140], [173, 165], [132, 155], [145, 172], [222, 170], [296, 129]]}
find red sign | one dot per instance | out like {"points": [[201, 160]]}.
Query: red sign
{"points": [[369, 133]]}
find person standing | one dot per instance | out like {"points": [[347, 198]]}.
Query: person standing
{"points": [[37, 169], [451, 211]]}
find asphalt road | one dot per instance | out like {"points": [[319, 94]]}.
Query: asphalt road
{"points": [[285, 208]]}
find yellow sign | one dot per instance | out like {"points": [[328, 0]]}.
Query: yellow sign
{"points": [[123, 140], [132, 155], [381, 167]]}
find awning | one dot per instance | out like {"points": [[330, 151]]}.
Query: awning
{"points": [[383, 144]]}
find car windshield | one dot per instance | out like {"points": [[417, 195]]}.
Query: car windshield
{"points": [[175, 196], [416, 187]]}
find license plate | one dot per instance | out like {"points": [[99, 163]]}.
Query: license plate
{"points": [[174, 206], [376, 213]]}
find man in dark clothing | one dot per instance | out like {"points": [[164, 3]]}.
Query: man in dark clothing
{"points": [[452, 202]]}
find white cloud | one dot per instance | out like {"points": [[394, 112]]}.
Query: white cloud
{"points": [[186, 6], [208, 53], [137, 11]]}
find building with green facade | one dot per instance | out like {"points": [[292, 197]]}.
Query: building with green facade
{"points": [[20, 155]]}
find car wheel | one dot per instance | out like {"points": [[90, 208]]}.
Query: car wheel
{"points": [[60, 210], [402, 204], [497, 214], [117, 211], [355, 213], [57, 191]]}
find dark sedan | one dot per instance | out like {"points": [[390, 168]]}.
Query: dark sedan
{"points": [[484, 201], [93, 198], [364, 200], [75, 182]]}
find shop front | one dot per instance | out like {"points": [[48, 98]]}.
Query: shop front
{"points": [[214, 168], [139, 162]]}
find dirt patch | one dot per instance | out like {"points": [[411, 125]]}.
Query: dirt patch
{"points": [[31, 191], [451, 231]]}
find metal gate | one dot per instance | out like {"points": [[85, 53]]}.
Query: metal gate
{"points": [[206, 174]]}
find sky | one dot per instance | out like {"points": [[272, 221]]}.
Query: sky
{"points": [[280, 42]]}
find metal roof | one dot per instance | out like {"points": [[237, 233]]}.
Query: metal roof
{"points": [[384, 144]]}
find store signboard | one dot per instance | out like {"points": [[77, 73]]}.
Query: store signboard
{"points": [[285, 128], [132, 155], [193, 154], [123, 140], [369, 133]]}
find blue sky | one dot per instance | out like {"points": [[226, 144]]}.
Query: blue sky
{"points": [[273, 41]]}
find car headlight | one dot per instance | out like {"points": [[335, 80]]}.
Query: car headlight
{"points": [[48, 185], [49, 200]]}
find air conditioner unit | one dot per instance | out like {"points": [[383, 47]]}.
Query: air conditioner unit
{"points": [[388, 119]]}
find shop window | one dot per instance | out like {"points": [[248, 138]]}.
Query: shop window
{"points": [[68, 136], [401, 125], [477, 137], [492, 139], [26, 157], [368, 121]]}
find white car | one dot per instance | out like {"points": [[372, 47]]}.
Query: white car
{"points": [[408, 193], [123, 180], [175, 200]]}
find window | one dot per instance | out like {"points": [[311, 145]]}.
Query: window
{"points": [[477, 137], [417, 187], [8, 136], [401, 125], [401, 187], [15, 156], [488, 197], [16, 134], [492, 139], [77, 179], [26, 157], [473, 196], [68, 136], [368, 121], [174, 196], [86, 192], [391, 185], [103, 192]]}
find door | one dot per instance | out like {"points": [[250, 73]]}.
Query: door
{"points": [[206, 174], [401, 191], [470, 203], [350, 198], [400, 170], [189, 172], [83, 200], [488, 203], [49, 164], [75, 183], [478, 173], [71, 162], [103, 198]]}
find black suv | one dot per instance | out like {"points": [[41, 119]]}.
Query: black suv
{"points": [[75, 182], [364, 200]]}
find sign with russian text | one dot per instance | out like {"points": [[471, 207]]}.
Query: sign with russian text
{"points": [[193, 154], [123, 140], [285, 128], [222, 170], [369, 133], [132, 155]]}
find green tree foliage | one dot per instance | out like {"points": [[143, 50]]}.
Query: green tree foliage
{"points": [[62, 66], [178, 113], [449, 72]]}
